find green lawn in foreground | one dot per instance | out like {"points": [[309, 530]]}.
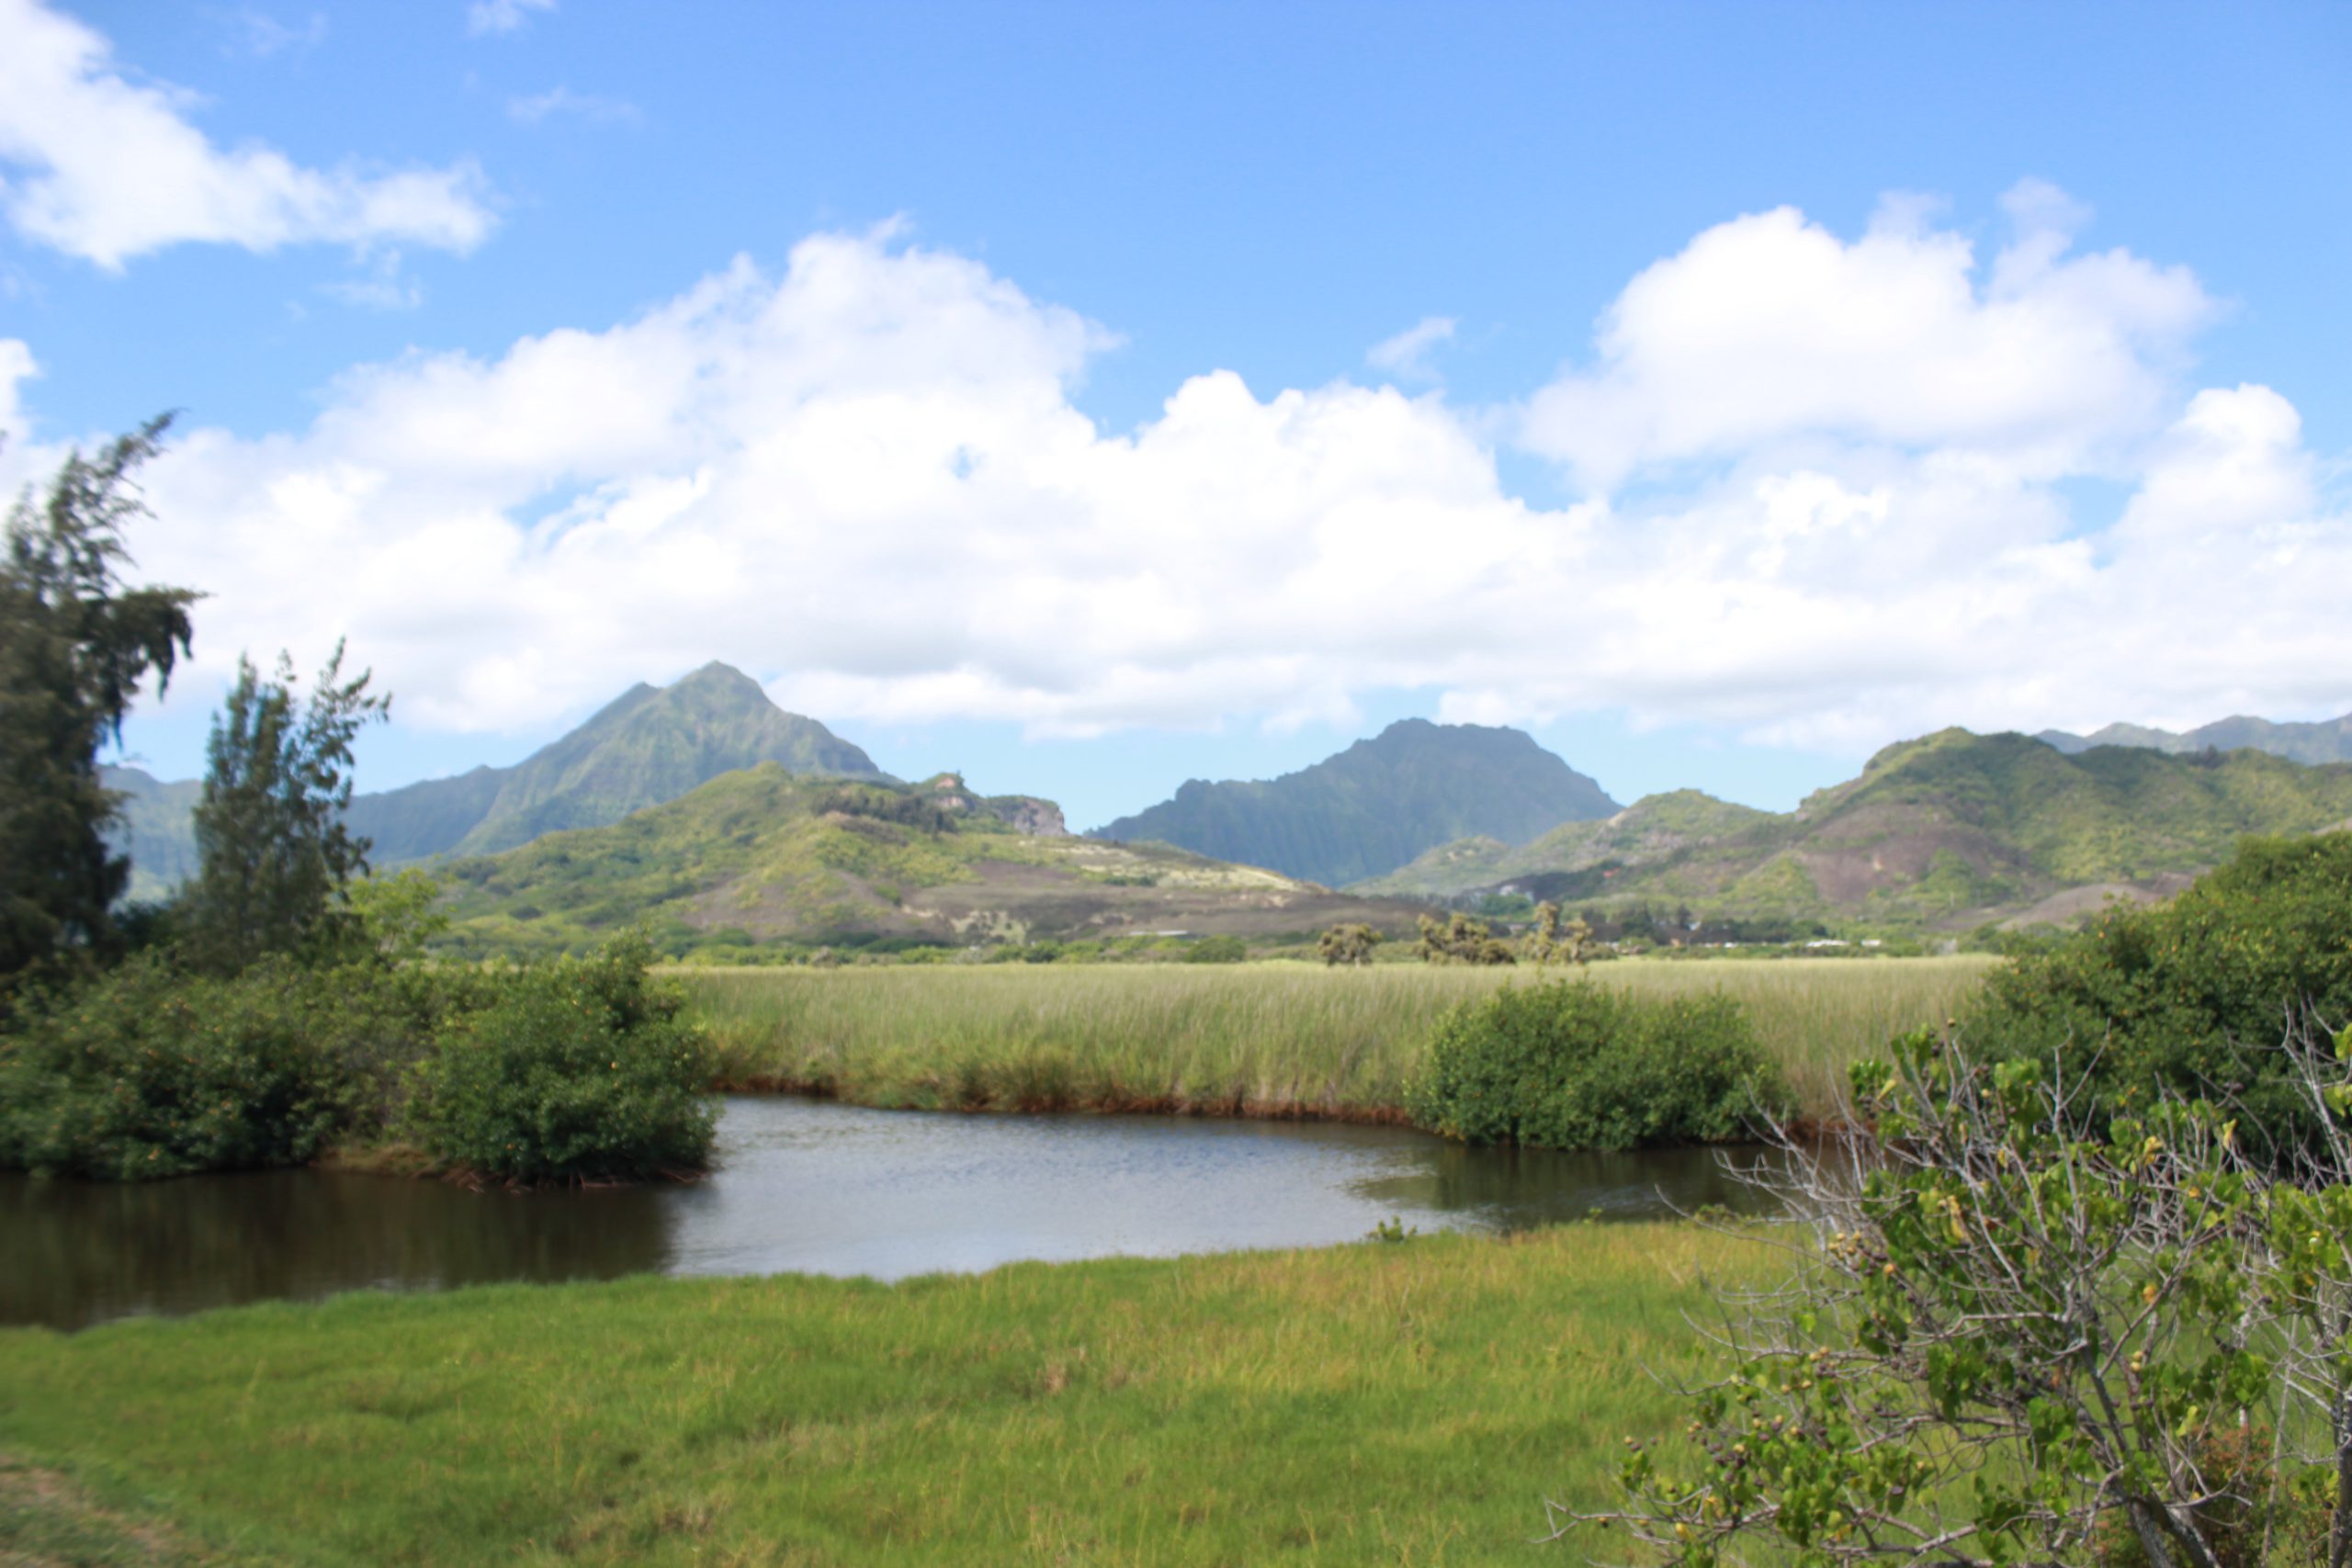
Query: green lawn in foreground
{"points": [[1224, 1038], [1409, 1403]]}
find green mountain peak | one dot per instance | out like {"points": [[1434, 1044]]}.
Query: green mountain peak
{"points": [[1374, 805], [650, 744]]}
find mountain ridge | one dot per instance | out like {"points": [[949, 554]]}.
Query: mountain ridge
{"points": [[1946, 831], [2316, 741], [1373, 806], [155, 829]]}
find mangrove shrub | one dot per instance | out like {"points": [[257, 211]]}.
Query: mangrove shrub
{"points": [[2193, 997], [574, 1069], [577, 1070], [1584, 1066], [144, 1073]]}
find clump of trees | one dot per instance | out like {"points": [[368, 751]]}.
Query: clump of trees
{"points": [[2008, 1338], [281, 1006], [1462, 939]]}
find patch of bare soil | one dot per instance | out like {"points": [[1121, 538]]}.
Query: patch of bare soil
{"points": [[2070, 905], [49, 1521], [1891, 846]]}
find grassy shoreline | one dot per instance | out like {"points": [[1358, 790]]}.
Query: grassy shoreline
{"points": [[1398, 1403], [1286, 1041]]}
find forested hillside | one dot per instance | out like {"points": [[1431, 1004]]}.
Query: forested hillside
{"points": [[1945, 831], [764, 856]]}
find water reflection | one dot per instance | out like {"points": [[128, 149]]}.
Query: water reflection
{"points": [[76, 1253], [822, 1189], [1509, 1190]]}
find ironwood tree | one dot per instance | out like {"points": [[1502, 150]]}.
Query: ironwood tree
{"points": [[75, 644], [269, 826]]}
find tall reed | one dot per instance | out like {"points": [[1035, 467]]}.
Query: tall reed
{"points": [[1267, 1039]]}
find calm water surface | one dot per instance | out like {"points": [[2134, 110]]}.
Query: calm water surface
{"points": [[808, 1187]]}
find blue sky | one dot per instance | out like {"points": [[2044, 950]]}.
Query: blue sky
{"points": [[1617, 497]]}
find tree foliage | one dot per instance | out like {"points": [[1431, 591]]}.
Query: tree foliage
{"points": [[1349, 943], [1548, 941], [1461, 939], [2192, 996], [270, 823], [577, 1070], [1584, 1066], [75, 643], [2020, 1330]]}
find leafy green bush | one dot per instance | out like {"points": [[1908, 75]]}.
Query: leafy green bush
{"points": [[2194, 995], [144, 1073], [1218, 950], [148, 1070], [577, 1070], [1583, 1066]]}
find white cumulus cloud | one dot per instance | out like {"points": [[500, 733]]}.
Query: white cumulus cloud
{"points": [[865, 479], [107, 168], [1768, 329]]}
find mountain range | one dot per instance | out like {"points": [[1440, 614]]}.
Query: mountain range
{"points": [[1940, 834], [1376, 805], [2326, 740], [650, 744], [708, 810]]}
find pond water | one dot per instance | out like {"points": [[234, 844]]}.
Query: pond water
{"points": [[806, 1186]]}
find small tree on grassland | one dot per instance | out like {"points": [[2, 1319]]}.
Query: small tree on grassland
{"points": [[269, 824], [1548, 940], [1349, 943]]}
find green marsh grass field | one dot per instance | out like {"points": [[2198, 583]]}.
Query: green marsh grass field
{"points": [[1408, 1404], [1274, 1038]]}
